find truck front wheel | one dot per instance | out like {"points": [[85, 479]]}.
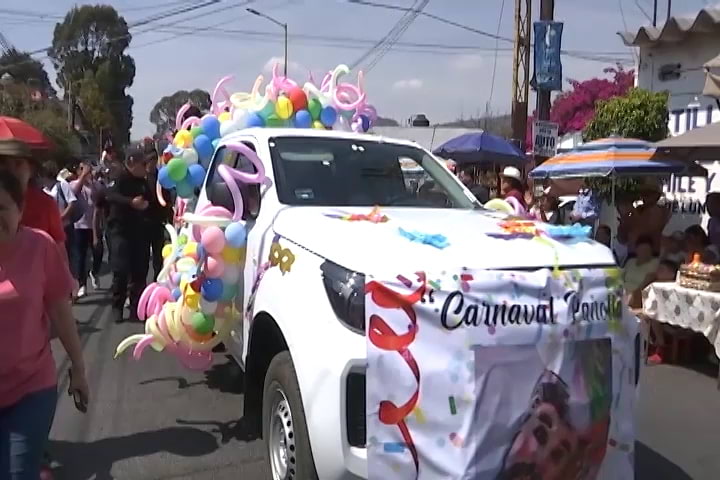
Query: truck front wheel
{"points": [[284, 426]]}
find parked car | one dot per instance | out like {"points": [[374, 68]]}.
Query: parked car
{"points": [[301, 341]]}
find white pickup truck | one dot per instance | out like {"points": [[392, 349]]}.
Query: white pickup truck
{"points": [[301, 341]]}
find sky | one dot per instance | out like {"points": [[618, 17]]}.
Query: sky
{"points": [[196, 49]]}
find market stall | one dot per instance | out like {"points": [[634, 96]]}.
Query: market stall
{"points": [[691, 303]]}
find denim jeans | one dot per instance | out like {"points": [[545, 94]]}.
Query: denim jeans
{"points": [[24, 430]]}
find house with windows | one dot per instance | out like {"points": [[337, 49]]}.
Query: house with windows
{"points": [[676, 57]]}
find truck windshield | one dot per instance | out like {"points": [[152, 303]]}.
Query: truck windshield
{"points": [[346, 172]]}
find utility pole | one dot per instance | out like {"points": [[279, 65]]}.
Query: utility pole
{"points": [[542, 108], [521, 69], [669, 11]]}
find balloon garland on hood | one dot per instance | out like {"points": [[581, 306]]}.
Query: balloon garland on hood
{"points": [[191, 307]]}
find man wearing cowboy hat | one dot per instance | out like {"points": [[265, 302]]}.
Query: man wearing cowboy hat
{"points": [[511, 185]]}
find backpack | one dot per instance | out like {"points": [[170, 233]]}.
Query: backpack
{"points": [[76, 212]]}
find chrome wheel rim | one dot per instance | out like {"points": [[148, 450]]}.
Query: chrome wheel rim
{"points": [[282, 438]]}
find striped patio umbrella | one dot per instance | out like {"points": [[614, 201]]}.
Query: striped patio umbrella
{"points": [[614, 157]]}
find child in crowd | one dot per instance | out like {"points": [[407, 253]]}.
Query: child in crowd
{"points": [[666, 272], [696, 241], [640, 270]]}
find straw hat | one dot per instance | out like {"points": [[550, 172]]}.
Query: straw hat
{"points": [[14, 148], [512, 172]]}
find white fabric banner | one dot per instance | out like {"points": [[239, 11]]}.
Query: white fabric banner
{"points": [[500, 376]]}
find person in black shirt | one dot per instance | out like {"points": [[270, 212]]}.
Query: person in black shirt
{"points": [[157, 215], [128, 199], [467, 177]]}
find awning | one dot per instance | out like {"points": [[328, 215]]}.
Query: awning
{"points": [[701, 143]]}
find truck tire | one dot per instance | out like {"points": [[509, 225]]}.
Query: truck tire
{"points": [[284, 427]]}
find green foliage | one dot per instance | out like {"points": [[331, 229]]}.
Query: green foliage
{"points": [[640, 114], [93, 38], [92, 103], [26, 70], [51, 120], [164, 112]]}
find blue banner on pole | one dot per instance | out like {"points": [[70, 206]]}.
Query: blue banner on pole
{"points": [[548, 65]]}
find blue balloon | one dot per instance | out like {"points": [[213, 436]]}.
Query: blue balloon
{"points": [[184, 189], [328, 116], [196, 175], [165, 181], [211, 126], [365, 123], [236, 235], [203, 147], [303, 119], [254, 120], [212, 289], [176, 293]]}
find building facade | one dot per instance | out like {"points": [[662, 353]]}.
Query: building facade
{"points": [[672, 58]]}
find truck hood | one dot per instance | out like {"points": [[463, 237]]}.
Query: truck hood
{"points": [[380, 250]]}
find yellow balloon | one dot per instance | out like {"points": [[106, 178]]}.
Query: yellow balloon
{"points": [[167, 250], [190, 249], [225, 116], [318, 124], [233, 256], [283, 108], [183, 139], [192, 299]]}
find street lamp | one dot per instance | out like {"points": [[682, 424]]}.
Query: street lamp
{"points": [[276, 22]]}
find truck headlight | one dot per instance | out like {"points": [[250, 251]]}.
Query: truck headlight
{"points": [[346, 292]]}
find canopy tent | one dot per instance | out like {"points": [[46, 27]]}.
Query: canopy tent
{"points": [[481, 147], [712, 80], [697, 144], [613, 157]]}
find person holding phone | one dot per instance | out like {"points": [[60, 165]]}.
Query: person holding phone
{"points": [[128, 197], [35, 287]]}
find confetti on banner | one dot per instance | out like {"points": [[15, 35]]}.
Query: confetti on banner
{"points": [[394, 447], [453, 406], [456, 440], [419, 415]]}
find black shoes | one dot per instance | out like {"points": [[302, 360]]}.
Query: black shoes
{"points": [[117, 315]]}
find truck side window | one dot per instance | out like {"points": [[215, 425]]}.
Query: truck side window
{"points": [[219, 193]]}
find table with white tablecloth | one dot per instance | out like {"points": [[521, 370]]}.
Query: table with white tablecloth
{"points": [[696, 310]]}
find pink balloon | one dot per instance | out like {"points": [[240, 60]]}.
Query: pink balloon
{"points": [[158, 299], [217, 106], [214, 267], [143, 302], [211, 211], [190, 122], [195, 360], [142, 345], [179, 116], [213, 240]]}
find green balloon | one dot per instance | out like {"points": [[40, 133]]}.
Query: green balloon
{"points": [[195, 131], [177, 169], [202, 323], [274, 121], [229, 292], [182, 239], [314, 107]]}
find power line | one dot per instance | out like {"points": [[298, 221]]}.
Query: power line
{"points": [[389, 45], [642, 10], [494, 70]]}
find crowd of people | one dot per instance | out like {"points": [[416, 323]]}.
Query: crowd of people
{"points": [[52, 221]]}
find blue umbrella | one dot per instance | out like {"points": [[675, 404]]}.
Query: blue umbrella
{"points": [[481, 147]]}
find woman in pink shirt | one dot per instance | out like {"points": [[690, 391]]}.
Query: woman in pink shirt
{"points": [[35, 287]]}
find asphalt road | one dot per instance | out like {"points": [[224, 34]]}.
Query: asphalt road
{"points": [[153, 419]]}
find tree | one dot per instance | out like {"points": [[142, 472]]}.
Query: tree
{"points": [[164, 112], [52, 121], [93, 38], [574, 109], [92, 104], [26, 70], [639, 114]]}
